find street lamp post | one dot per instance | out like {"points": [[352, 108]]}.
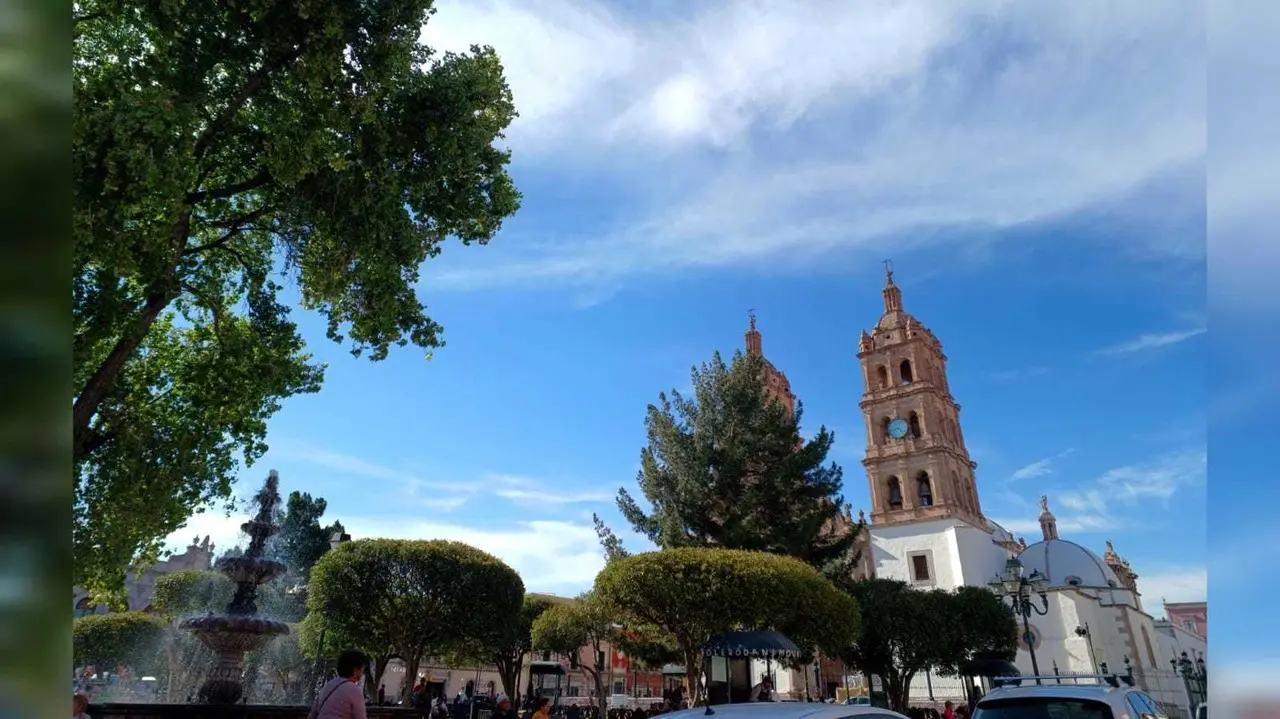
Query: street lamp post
{"points": [[1195, 679], [1018, 589], [1083, 631]]}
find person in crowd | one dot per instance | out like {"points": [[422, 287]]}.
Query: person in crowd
{"points": [[343, 696], [763, 692], [79, 706], [544, 709], [502, 708], [573, 711], [948, 710]]}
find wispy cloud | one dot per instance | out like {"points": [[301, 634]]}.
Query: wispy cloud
{"points": [[1150, 341], [1173, 584], [1040, 467], [773, 133], [554, 556], [533, 496], [349, 464], [1104, 502], [1074, 524]]}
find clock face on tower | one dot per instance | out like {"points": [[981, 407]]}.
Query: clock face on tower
{"points": [[898, 428]]}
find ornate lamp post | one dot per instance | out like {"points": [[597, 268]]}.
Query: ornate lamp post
{"points": [[1018, 590], [1083, 631], [1194, 677]]}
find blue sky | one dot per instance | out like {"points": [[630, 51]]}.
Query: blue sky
{"points": [[1036, 173]]}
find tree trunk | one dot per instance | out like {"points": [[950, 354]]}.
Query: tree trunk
{"points": [[159, 295], [693, 677], [509, 672], [411, 665]]}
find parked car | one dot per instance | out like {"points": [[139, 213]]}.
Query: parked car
{"points": [[1111, 698], [784, 710]]}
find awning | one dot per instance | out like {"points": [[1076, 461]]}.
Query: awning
{"points": [[760, 644], [539, 668]]}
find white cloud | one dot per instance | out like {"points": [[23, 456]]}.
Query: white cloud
{"points": [[538, 496], [1039, 468], [1186, 584], [767, 130], [554, 556], [348, 464], [1076, 524], [1150, 341]]}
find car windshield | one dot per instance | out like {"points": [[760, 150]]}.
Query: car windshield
{"points": [[1043, 708]]}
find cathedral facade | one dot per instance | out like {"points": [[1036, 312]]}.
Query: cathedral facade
{"points": [[927, 528]]}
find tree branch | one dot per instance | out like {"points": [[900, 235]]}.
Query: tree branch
{"points": [[222, 193], [256, 82]]}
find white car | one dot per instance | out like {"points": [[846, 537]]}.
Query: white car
{"points": [[1107, 700], [784, 710]]}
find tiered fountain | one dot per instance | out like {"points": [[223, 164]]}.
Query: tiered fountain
{"points": [[238, 631]]}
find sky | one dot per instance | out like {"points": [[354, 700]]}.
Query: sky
{"points": [[1036, 172]]}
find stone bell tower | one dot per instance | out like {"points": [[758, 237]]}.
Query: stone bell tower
{"points": [[916, 460]]}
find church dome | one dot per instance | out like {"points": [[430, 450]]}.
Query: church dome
{"points": [[1067, 564]]}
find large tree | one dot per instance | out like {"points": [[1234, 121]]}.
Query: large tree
{"points": [[507, 652], [694, 595], [417, 598], [727, 467], [218, 145]]}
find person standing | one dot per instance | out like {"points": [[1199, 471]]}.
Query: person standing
{"points": [[948, 710], [342, 697], [544, 709]]}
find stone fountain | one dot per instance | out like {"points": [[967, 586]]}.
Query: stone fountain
{"points": [[239, 630]]}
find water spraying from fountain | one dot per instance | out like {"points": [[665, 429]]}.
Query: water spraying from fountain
{"points": [[239, 630]]}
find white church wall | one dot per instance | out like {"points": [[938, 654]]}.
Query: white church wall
{"points": [[893, 546], [979, 559]]}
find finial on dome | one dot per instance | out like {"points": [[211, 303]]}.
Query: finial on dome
{"points": [[754, 344], [1048, 523], [892, 295]]}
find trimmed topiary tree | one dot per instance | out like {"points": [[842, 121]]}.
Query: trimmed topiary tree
{"points": [[133, 639], [697, 594], [417, 598]]}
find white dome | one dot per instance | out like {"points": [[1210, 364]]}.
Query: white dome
{"points": [[1067, 564]]}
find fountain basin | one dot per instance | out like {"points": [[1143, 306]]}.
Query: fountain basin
{"points": [[223, 633], [250, 570]]}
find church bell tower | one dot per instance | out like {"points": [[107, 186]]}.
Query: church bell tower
{"points": [[916, 461]]}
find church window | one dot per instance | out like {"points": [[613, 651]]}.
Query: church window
{"points": [[904, 371], [914, 420], [925, 490], [895, 493], [884, 428], [1191, 626], [1074, 581], [920, 568], [882, 377]]}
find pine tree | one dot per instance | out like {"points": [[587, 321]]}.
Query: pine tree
{"points": [[727, 467]]}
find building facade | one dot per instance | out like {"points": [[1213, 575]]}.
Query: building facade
{"points": [[927, 528], [140, 586]]}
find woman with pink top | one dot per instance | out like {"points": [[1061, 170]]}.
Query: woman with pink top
{"points": [[343, 696]]}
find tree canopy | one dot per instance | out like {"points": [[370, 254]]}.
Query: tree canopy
{"points": [[302, 539], [507, 654], [218, 146], [133, 639], [914, 630], [192, 591], [727, 467], [589, 624], [696, 594], [417, 598]]}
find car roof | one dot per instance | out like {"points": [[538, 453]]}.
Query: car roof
{"points": [[1055, 691], [782, 710]]}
